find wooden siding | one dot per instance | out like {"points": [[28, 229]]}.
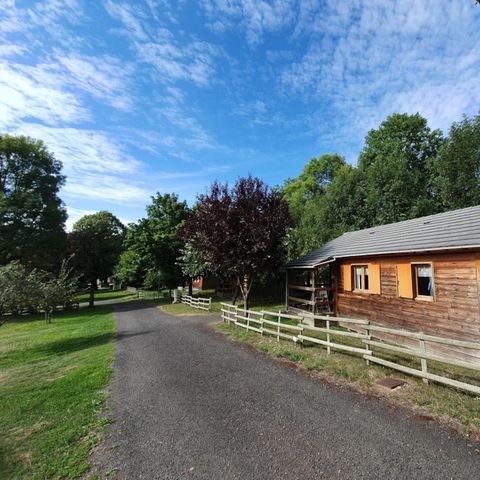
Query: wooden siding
{"points": [[455, 311]]}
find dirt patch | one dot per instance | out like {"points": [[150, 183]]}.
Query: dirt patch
{"points": [[22, 433]]}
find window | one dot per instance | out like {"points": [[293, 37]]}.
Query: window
{"points": [[360, 277], [423, 281]]}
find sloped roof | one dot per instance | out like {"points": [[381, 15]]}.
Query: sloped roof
{"points": [[443, 231]]}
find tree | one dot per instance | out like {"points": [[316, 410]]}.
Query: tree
{"points": [[395, 171], [56, 290], [192, 265], [24, 289], [306, 198], [457, 166], [241, 231], [96, 244], [32, 216], [153, 245]]}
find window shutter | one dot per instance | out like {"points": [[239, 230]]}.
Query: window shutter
{"points": [[404, 280], [374, 278], [347, 278]]}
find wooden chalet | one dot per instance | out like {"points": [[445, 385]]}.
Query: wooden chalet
{"points": [[420, 275]]}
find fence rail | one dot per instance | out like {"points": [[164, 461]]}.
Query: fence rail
{"points": [[197, 302], [291, 327]]}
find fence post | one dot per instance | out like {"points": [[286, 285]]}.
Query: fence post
{"points": [[367, 331], [261, 324], [423, 361], [327, 323], [278, 327], [210, 304]]}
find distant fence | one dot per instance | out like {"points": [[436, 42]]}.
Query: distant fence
{"points": [[364, 338], [197, 302], [150, 295]]}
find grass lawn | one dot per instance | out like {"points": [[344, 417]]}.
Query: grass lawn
{"points": [[449, 406], [51, 381], [182, 309], [104, 295]]}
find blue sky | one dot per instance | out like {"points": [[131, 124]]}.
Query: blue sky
{"points": [[141, 96]]}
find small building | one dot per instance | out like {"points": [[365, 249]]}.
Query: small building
{"points": [[419, 275]]}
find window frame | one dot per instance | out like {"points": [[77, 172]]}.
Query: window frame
{"points": [[363, 266], [416, 295]]}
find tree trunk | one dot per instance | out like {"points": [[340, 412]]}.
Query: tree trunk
{"points": [[235, 293], [190, 286], [91, 299], [245, 286]]}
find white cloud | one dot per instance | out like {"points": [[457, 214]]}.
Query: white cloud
{"points": [[370, 59], [33, 93], [103, 77], [97, 166], [255, 17], [189, 59]]}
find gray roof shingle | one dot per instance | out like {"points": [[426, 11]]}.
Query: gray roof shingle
{"points": [[443, 231]]}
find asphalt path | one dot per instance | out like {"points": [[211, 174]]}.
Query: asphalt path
{"points": [[190, 404]]}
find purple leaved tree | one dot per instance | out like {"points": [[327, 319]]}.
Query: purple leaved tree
{"points": [[240, 231]]}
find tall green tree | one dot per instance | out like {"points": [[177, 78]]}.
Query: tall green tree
{"points": [[192, 265], [306, 199], [457, 166], [32, 216], [153, 245], [395, 167], [96, 244]]}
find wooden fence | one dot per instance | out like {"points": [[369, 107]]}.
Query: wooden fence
{"points": [[150, 294], [197, 302], [359, 337]]}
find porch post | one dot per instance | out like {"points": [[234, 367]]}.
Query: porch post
{"points": [[286, 290], [313, 296]]}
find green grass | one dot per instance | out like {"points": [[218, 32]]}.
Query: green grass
{"points": [[255, 304], [451, 407], [51, 381], [104, 295]]}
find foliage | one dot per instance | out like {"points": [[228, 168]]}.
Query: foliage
{"points": [[96, 244], [240, 231], [32, 216], [127, 271], [305, 196], [153, 245], [405, 170], [26, 290], [19, 289], [457, 169], [395, 169]]}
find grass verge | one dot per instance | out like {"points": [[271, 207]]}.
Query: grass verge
{"points": [[51, 381], [455, 409], [182, 309], [104, 295]]}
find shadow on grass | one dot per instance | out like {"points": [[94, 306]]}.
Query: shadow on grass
{"points": [[72, 345]]}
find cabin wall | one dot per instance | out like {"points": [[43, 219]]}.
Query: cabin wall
{"points": [[454, 313]]}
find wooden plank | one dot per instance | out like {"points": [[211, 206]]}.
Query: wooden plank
{"points": [[417, 353], [301, 300], [277, 334], [241, 317], [428, 338], [338, 346], [283, 315], [353, 321], [340, 333], [429, 376], [284, 325]]}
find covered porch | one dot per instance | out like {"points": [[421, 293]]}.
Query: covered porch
{"points": [[311, 289]]}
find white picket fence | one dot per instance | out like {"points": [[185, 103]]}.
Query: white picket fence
{"points": [[197, 302], [364, 333]]}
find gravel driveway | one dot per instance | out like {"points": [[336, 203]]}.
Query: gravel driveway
{"points": [[188, 403]]}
